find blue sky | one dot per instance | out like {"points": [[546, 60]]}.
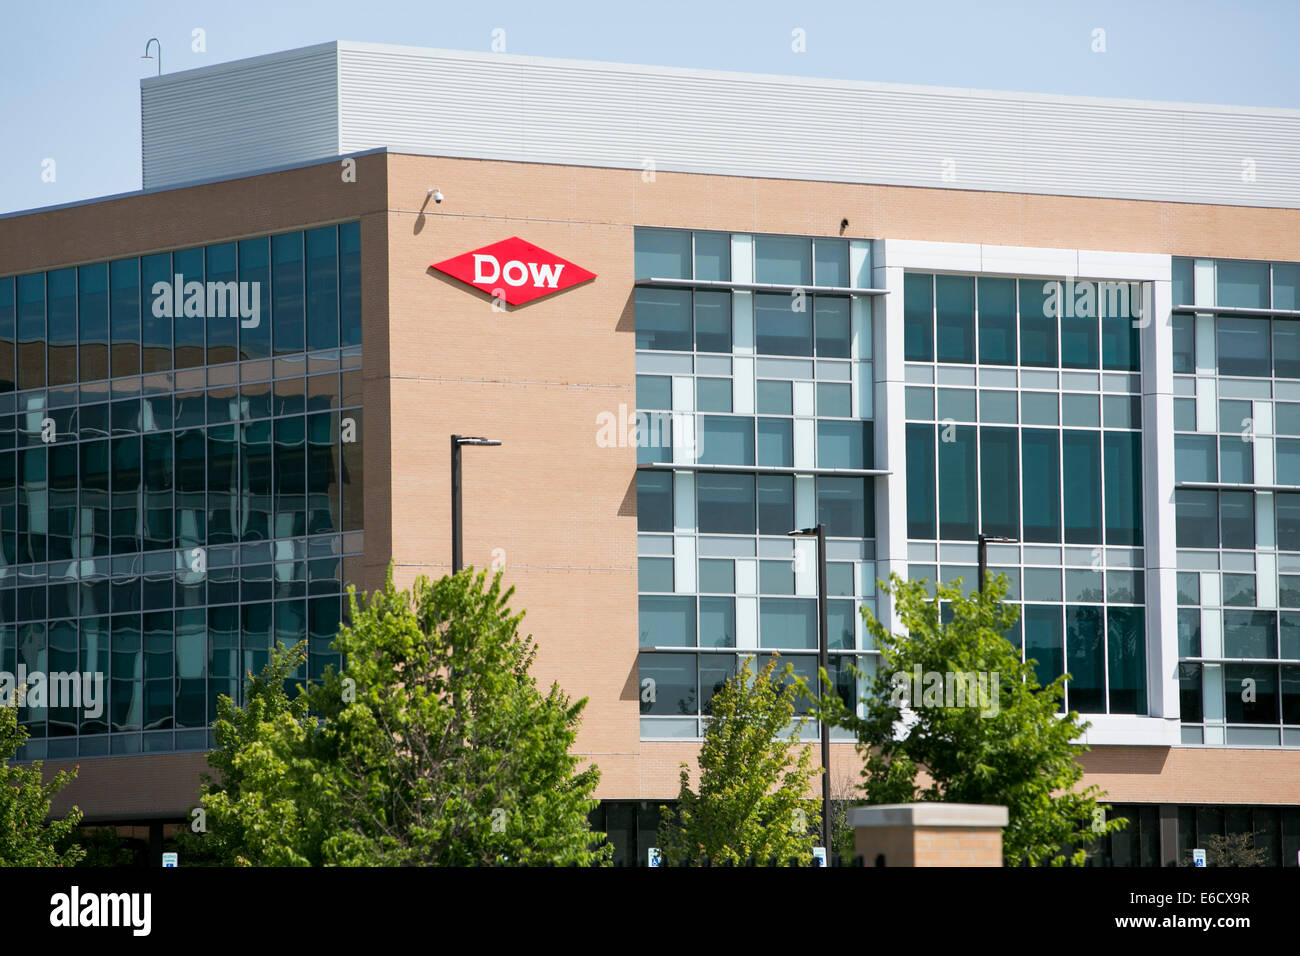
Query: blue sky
{"points": [[70, 71]]}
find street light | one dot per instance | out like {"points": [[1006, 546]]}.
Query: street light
{"points": [[146, 56], [456, 543], [984, 540], [823, 664]]}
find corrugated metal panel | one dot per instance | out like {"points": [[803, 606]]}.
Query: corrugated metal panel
{"points": [[488, 106], [241, 116]]}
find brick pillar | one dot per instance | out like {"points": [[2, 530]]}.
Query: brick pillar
{"points": [[929, 834]]}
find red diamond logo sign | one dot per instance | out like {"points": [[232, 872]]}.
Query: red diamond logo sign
{"points": [[514, 270]]}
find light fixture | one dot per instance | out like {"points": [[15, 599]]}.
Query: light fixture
{"points": [[146, 56]]}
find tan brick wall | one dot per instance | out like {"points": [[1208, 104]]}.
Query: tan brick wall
{"points": [[929, 846]]}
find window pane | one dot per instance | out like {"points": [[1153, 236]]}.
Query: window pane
{"points": [[1288, 520], [778, 328], [844, 444], [62, 334], [920, 481], [918, 317], [958, 483], [713, 394], [1123, 451], [832, 265], [322, 288], [713, 321], [726, 440], [1194, 458], [654, 392], [955, 318], [1120, 322], [1080, 411], [712, 256], [1243, 346], [1040, 471], [662, 254], [188, 332], [663, 319], [834, 400], [1081, 489], [1084, 660], [957, 404], [1183, 270], [717, 576], [834, 329], [776, 577], [787, 623], [31, 331], [919, 403], [1286, 348], [998, 407], [846, 506], [8, 347], [1239, 590], [223, 314], [774, 398], [255, 267], [725, 503], [1038, 408], [1196, 519], [1237, 514], [1250, 634], [654, 501], [783, 260], [1184, 343], [1189, 632], [776, 442], [667, 621], [1236, 459], [1243, 708], [349, 283], [775, 504], [1242, 284], [1044, 641], [654, 574], [999, 482], [1127, 652], [1080, 346], [1038, 327], [715, 671], [673, 678], [997, 321], [1288, 461], [717, 622]]}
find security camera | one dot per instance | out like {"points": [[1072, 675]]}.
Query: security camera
{"points": [[436, 194]]}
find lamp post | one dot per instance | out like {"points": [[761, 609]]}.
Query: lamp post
{"points": [[146, 56], [823, 664], [984, 540], [457, 547]]}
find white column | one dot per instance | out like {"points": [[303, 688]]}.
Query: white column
{"points": [[891, 438]]}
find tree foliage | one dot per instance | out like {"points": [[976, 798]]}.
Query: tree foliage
{"points": [[1015, 749], [433, 745], [25, 837], [751, 802]]}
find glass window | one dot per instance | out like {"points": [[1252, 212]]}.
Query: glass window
{"points": [[1120, 342], [1123, 491], [62, 334], [1038, 408], [322, 288], [1042, 584], [1288, 520], [654, 501], [998, 407], [918, 317], [712, 256], [1288, 461], [1286, 286], [673, 678], [834, 400], [156, 330], [1121, 411], [834, 328], [1081, 489], [787, 622], [1080, 345], [662, 254], [1289, 630], [997, 321], [1261, 707], [1249, 633], [783, 260], [776, 577], [654, 392], [1127, 655], [779, 327], [1238, 590], [846, 506], [1080, 411], [776, 442], [655, 574], [713, 394], [1286, 418], [725, 503], [223, 313], [844, 444], [775, 504], [1194, 458], [1243, 284], [958, 483], [1189, 632], [1038, 326], [187, 331], [1183, 272], [717, 576], [717, 622], [1000, 482], [667, 621], [1184, 327], [920, 481], [663, 319], [8, 349], [1040, 471], [1243, 346], [1286, 348], [1237, 517], [1045, 641], [832, 262], [919, 403], [31, 331], [774, 398], [1084, 660], [1185, 414], [954, 318], [713, 321], [1288, 591], [957, 404], [1196, 515], [349, 283], [726, 440], [255, 267], [1236, 459]]}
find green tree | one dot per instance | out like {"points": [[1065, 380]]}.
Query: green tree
{"points": [[752, 800], [1235, 849], [433, 745], [25, 838], [1010, 748]]}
